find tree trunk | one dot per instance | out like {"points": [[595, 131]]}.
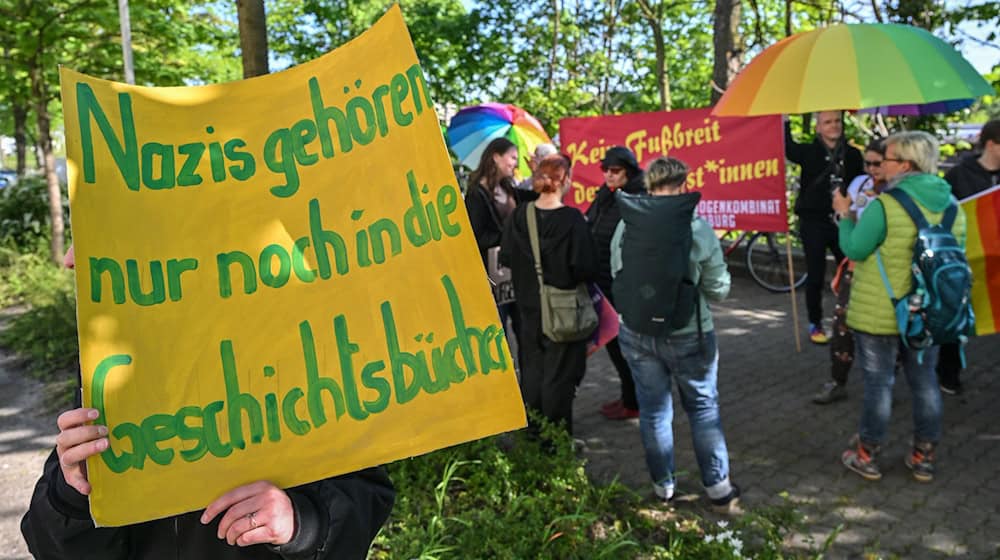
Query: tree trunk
{"points": [[653, 15], [20, 135], [253, 37], [728, 45], [550, 81], [662, 76], [48, 160], [788, 18], [878, 13], [608, 50]]}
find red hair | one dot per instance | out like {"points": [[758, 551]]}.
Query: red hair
{"points": [[550, 174]]}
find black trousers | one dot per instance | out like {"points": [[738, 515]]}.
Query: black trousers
{"points": [[551, 371], [819, 233], [949, 365]]}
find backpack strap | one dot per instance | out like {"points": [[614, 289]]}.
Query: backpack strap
{"points": [[533, 239], [911, 207], [885, 277], [950, 213]]}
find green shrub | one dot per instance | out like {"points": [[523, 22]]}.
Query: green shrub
{"points": [[44, 336], [30, 277], [24, 214], [510, 497]]}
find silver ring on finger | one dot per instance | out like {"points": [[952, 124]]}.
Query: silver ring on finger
{"points": [[252, 517]]}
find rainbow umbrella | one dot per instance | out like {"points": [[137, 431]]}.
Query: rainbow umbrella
{"points": [[916, 110], [851, 66], [475, 127]]}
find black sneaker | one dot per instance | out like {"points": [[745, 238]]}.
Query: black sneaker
{"points": [[921, 462], [728, 504], [831, 392], [951, 387]]}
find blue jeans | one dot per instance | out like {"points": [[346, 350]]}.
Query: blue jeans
{"points": [[876, 356], [655, 363]]}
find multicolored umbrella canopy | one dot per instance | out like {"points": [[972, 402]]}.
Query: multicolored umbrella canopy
{"points": [[851, 66], [916, 110], [474, 127]]}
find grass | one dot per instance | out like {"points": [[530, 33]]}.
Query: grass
{"points": [[514, 496]]}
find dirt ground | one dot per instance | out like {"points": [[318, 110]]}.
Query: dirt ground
{"points": [[26, 437]]}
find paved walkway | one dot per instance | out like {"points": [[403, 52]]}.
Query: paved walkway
{"points": [[26, 437], [783, 447]]}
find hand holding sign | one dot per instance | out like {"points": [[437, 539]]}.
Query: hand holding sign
{"points": [[76, 441], [256, 513]]}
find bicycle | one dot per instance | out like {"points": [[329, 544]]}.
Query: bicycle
{"points": [[766, 257]]}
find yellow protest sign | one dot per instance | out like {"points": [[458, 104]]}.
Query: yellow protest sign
{"points": [[276, 280]]}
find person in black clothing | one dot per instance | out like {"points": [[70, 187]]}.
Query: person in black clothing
{"points": [[973, 174], [827, 162], [333, 518], [621, 171], [490, 201], [550, 370], [491, 198]]}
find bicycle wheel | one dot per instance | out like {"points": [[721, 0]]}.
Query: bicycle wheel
{"points": [[767, 261]]}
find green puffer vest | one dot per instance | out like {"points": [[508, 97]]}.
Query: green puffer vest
{"points": [[870, 310]]}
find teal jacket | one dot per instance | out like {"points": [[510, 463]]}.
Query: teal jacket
{"points": [[707, 269]]}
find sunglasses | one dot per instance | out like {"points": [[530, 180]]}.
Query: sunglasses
{"points": [[612, 169], [869, 163]]}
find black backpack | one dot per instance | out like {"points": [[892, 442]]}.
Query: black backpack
{"points": [[653, 292]]}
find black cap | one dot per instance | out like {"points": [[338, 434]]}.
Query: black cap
{"points": [[621, 156]]}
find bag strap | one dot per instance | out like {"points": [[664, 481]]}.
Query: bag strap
{"points": [[950, 213], [910, 207], [490, 206], [533, 239], [885, 277]]}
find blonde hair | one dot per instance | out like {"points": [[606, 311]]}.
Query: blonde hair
{"points": [[666, 172], [917, 147]]}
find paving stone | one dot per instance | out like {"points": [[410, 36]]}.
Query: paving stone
{"points": [[785, 449]]}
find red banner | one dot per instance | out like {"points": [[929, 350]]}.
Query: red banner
{"points": [[737, 163]]}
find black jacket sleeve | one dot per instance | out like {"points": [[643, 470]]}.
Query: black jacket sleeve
{"points": [[508, 245], [339, 517], [794, 151], [484, 225], [854, 164], [58, 525]]}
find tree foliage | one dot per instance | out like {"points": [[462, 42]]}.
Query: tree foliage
{"points": [[555, 58]]}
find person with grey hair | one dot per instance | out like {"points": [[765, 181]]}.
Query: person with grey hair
{"points": [[666, 329], [542, 151], [881, 244], [975, 173]]}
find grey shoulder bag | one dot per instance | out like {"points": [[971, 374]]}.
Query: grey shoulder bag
{"points": [[567, 315]]}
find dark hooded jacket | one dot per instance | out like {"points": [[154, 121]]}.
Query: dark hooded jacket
{"points": [[336, 518], [603, 215], [970, 177]]}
